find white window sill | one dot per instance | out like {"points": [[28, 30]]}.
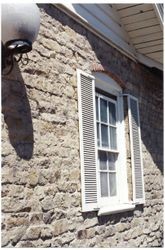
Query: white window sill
{"points": [[118, 208]]}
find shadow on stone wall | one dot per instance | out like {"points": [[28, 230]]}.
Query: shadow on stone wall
{"points": [[17, 114], [143, 78]]}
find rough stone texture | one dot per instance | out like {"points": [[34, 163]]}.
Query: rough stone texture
{"points": [[41, 192]]}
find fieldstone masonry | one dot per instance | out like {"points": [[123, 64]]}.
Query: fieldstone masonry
{"points": [[41, 189]]}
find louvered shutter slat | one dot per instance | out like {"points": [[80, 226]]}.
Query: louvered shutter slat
{"points": [[136, 157], [87, 127]]}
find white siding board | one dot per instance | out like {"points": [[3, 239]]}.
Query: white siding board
{"points": [[149, 61], [94, 10], [144, 31], [142, 24], [139, 17], [155, 55], [149, 44], [135, 10], [110, 11], [143, 27], [147, 38], [99, 26], [159, 60], [151, 49], [123, 6]]}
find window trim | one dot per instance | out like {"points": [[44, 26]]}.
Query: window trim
{"points": [[142, 200], [109, 199], [117, 208], [86, 89], [86, 207], [108, 85], [105, 123]]}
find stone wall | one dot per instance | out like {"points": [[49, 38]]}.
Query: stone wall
{"points": [[41, 193]]}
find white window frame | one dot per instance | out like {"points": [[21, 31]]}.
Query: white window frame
{"points": [[121, 203], [105, 200], [114, 102]]}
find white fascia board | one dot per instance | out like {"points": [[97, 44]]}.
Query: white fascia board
{"points": [[158, 14], [69, 10], [149, 62]]}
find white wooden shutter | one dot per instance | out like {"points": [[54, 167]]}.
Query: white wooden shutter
{"points": [[87, 127], [136, 154]]}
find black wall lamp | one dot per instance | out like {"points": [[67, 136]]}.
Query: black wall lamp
{"points": [[20, 26]]}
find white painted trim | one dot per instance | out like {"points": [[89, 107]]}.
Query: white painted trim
{"points": [[108, 150], [111, 14], [79, 72], [106, 98], [81, 139], [107, 84], [85, 207], [115, 30], [158, 14], [122, 164], [149, 62], [122, 204], [118, 208], [131, 146], [90, 17], [104, 200], [140, 201], [95, 127]]}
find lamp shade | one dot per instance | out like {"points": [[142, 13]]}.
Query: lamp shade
{"points": [[19, 22]]}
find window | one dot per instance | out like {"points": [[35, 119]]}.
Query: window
{"points": [[103, 148], [106, 122]]}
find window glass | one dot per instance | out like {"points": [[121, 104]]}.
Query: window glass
{"points": [[104, 135], [98, 134], [103, 110], [106, 141], [112, 182], [113, 138], [111, 161], [112, 113], [103, 160], [104, 184]]}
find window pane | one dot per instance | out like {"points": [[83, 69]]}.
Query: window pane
{"points": [[97, 112], [98, 135], [111, 161], [103, 110], [103, 160], [112, 113], [104, 135], [113, 138], [112, 183], [104, 184]]}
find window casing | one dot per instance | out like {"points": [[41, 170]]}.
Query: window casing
{"points": [[107, 149], [103, 147], [111, 152]]}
